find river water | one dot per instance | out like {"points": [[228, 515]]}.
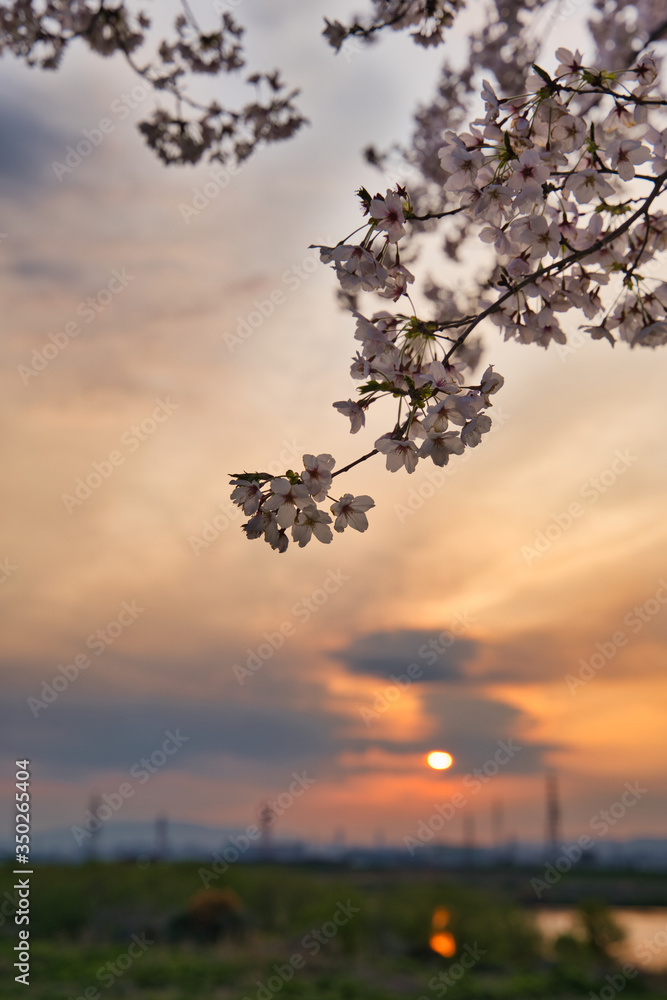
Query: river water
{"points": [[645, 944]]}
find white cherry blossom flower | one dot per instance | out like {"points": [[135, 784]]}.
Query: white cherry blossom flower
{"points": [[355, 266], [437, 375], [570, 133], [311, 521], [351, 510], [586, 184], [542, 237], [388, 215], [398, 453], [491, 382], [620, 118], [439, 445], [599, 333], [276, 537], [549, 328], [373, 339], [317, 475], [491, 102], [625, 154], [286, 500], [471, 435], [445, 410], [360, 367], [653, 335], [354, 411], [460, 162], [247, 495], [500, 239], [528, 176], [494, 203], [258, 524], [396, 282], [569, 63]]}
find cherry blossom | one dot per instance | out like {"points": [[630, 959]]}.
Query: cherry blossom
{"points": [[286, 500], [350, 510], [317, 475], [354, 411], [439, 445], [311, 521], [561, 186], [248, 495], [387, 213], [399, 453]]}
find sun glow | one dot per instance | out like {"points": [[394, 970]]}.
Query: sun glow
{"points": [[439, 760], [441, 941]]}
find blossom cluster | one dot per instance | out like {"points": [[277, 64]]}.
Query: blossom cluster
{"points": [[549, 184], [189, 130], [290, 502], [562, 183]]}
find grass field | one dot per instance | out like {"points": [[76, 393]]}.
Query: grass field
{"points": [[154, 933]]}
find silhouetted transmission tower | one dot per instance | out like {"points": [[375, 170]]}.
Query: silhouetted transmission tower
{"points": [[553, 832]]}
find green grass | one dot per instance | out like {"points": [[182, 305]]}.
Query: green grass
{"points": [[83, 919]]}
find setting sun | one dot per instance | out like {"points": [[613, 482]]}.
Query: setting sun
{"points": [[439, 760]]}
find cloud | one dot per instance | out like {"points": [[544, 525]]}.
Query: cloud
{"points": [[30, 146], [381, 654], [529, 657], [471, 727], [74, 737]]}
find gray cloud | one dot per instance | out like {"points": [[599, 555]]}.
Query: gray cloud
{"points": [[29, 145], [72, 737], [381, 654], [470, 727]]}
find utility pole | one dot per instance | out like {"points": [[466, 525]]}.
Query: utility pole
{"points": [[553, 830]]}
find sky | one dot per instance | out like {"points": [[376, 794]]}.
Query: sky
{"points": [[528, 585]]}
